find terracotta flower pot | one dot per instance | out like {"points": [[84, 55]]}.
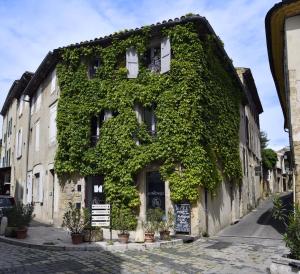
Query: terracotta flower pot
{"points": [[21, 232], [77, 238], [123, 238], [164, 235], [149, 237]]}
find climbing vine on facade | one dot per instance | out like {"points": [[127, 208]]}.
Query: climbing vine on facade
{"points": [[196, 107]]}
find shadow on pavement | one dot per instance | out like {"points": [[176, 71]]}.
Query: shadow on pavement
{"points": [[267, 219]]}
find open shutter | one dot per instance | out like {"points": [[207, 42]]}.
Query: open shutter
{"points": [[165, 55], [52, 125], [37, 136], [29, 187], [53, 81], [132, 63], [21, 102], [41, 188], [20, 143]]}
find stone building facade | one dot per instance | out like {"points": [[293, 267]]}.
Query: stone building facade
{"points": [[34, 167], [283, 41]]}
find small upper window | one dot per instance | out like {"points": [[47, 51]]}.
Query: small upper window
{"points": [[93, 66], [153, 59], [158, 56], [53, 81]]}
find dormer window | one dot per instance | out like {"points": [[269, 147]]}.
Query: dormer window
{"points": [[93, 66]]}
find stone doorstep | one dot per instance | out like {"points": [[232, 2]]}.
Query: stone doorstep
{"points": [[117, 247]]}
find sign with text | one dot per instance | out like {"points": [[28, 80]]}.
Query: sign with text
{"points": [[183, 218], [100, 215], [257, 170]]}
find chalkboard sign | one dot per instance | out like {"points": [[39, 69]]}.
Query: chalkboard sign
{"points": [[183, 218]]}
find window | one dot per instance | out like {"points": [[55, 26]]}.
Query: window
{"points": [[247, 131], [9, 127], [21, 103], [153, 59], [52, 124], [53, 82], [19, 144], [132, 63], [37, 136], [93, 66], [39, 188], [33, 103], [146, 115], [244, 161], [38, 100], [8, 157], [158, 57], [96, 123]]}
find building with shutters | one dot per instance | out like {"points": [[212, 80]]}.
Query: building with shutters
{"points": [[283, 41], [33, 141]]}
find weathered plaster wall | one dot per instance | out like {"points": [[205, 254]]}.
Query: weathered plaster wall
{"points": [[292, 66]]}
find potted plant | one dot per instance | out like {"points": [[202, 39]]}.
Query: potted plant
{"points": [[154, 217], [19, 218], [123, 220], [74, 221], [165, 225], [91, 233]]}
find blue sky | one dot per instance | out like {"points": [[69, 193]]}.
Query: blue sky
{"points": [[31, 28]]}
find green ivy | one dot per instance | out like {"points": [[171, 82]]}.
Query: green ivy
{"points": [[197, 109]]}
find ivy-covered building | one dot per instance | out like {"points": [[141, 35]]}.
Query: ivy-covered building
{"points": [[151, 117]]}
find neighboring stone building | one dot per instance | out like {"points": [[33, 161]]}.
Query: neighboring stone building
{"points": [[250, 149], [12, 111], [283, 41], [34, 167], [279, 179]]}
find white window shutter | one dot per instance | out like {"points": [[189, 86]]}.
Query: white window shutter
{"points": [[17, 145], [21, 105], [38, 99], [53, 81], [19, 152], [132, 63], [165, 55], [37, 136], [52, 124], [41, 188], [29, 187]]}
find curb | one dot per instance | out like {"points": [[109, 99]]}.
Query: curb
{"points": [[116, 248]]}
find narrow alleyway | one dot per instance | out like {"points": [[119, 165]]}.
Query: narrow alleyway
{"points": [[259, 223], [247, 247]]}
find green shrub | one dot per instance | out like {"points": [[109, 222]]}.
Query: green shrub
{"points": [[74, 219], [291, 222], [123, 219], [20, 215], [154, 217]]}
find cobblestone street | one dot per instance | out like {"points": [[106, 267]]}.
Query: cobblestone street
{"points": [[247, 247], [219, 255]]}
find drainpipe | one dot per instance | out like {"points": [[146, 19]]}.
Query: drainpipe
{"points": [[27, 100], [206, 210]]}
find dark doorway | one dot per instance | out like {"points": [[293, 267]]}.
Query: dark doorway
{"points": [[94, 191], [155, 190]]}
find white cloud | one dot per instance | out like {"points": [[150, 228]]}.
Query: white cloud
{"points": [[29, 29]]}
